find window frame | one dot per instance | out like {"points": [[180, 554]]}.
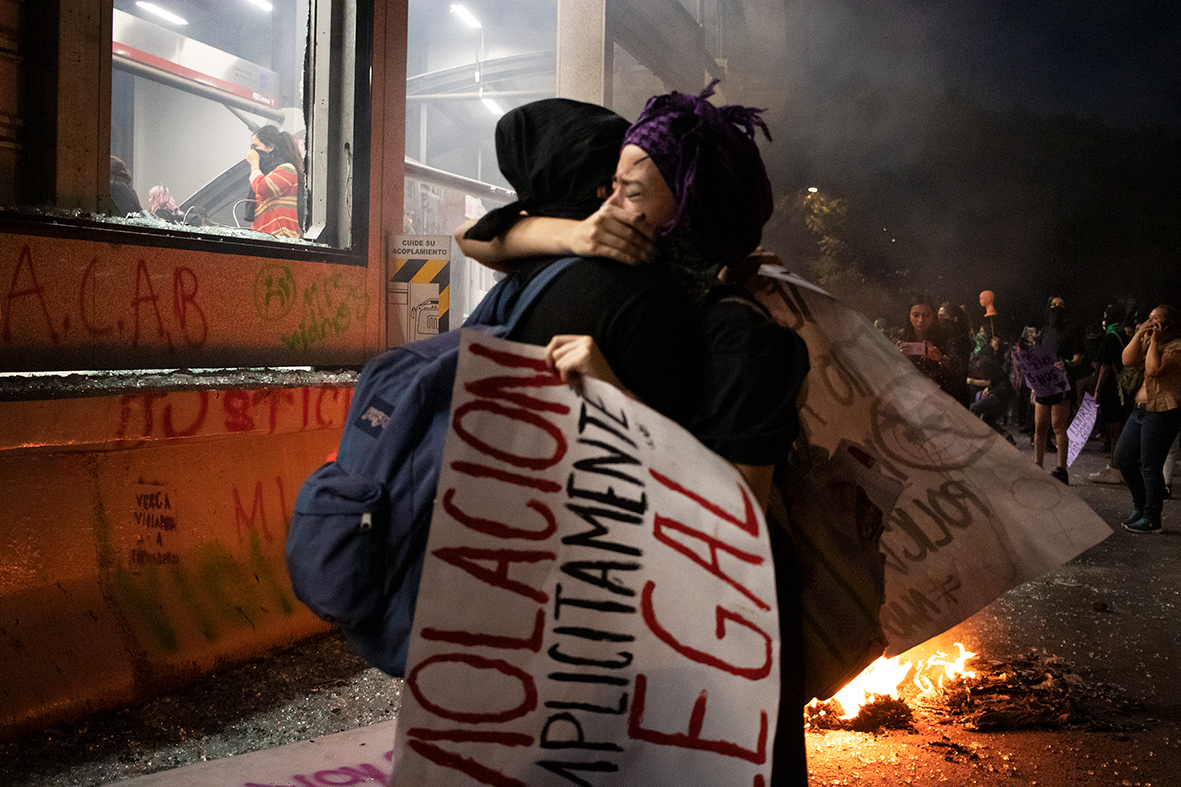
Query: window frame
{"points": [[67, 131]]}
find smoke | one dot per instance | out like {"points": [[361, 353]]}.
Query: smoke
{"points": [[944, 127]]}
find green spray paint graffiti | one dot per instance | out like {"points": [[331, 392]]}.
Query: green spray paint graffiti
{"points": [[221, 591], [170, 599], [330, 307], [274, 292]]}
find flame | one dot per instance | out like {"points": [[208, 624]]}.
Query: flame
{"points": [[888, 676]]}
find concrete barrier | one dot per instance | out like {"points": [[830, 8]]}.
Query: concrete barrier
{"points": [[142, 537]]}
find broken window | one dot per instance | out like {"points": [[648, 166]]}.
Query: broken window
{"points": [[196, 85]]}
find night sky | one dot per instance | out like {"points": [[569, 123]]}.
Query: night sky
{"points": [[1119, 59], [869, 103]]}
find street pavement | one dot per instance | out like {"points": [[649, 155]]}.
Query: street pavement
{"points": [[1111, 615]]}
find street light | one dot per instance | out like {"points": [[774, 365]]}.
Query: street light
{"points": [[468, 18], [152, 8]]}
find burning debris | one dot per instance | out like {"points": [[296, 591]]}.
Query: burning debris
{"points": [[881, 712], [1039, 692], [1035, 692], [872, 702]]}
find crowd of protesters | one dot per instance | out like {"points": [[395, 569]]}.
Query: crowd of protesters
{"points": [[1128, 359]]}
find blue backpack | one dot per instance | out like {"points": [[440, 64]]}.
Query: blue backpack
{"points": [[358, 536]]}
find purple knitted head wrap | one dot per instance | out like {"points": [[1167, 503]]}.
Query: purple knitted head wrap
{"points": [[709, 159]]}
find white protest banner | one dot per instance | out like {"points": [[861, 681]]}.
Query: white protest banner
{"points": [[1081, 427], [597, 598], [1038, 366], [974, 517]]}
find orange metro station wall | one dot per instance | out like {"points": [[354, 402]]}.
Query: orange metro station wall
{"points": [[143, 540], [84, 304], [143, 529]]}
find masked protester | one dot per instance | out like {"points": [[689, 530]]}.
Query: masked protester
{"points": [[276, 184], [1112, 409], [1054, 410]]}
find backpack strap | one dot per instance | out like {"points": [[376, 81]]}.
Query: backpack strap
{"points": [[535, 288]]}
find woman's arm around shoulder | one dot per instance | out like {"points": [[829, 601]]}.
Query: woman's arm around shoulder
{"points": [[605, 233]]}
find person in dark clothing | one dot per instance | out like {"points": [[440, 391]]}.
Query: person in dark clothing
{"points": [[958, 350], [988, 373], [122, 193], [643, 327], [1112, 411], [1054, 410], [707, 157], [690, 175], [750, 362], [634, 327]]}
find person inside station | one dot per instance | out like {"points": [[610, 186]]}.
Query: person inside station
{"points": [[276, 204], [123, 195], [161, 204]]}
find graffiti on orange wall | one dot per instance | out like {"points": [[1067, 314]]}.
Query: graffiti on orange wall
{"points": [[152, 310], [256, 519], [180, 580], [274, 291], [58, 293], [168, 415], [330, 307]]}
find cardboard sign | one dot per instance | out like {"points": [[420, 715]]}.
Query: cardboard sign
{"points": [[1081, 427], [598, 597], [1038, 367], [974, 517]]}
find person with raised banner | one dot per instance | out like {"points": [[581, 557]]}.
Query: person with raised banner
{"points": [[690, 177]]}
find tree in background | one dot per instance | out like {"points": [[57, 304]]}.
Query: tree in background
{"points": [[809, 231]]}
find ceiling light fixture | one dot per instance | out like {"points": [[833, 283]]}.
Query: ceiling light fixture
{"points": [[263, 4], [466, 15], [152, 8], [493, 107]]}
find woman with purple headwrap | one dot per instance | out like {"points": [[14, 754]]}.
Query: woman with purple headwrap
{"points": [[690, 177], [632, 326]]}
